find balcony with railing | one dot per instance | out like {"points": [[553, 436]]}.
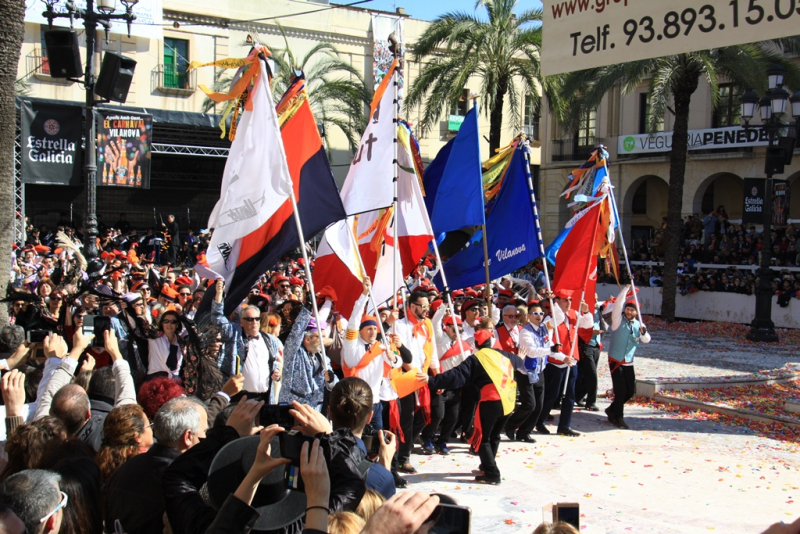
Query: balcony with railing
{"points": [[39, 67], [573, 148], [173, 80]]}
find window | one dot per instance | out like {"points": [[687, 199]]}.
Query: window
{"points": [[587, 128], [45, 69], [459, 107], [531, 119], [176, 59], [645, 115], [728, 111]]}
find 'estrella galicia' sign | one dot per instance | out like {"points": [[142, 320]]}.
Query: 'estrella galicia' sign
{"points": [[51, 143]]}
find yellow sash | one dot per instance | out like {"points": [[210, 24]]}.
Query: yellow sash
{"points": [[500, 370]]}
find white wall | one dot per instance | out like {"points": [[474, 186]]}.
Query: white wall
{"points": [[711, 306]]}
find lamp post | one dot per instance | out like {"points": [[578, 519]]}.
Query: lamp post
{"points": [[772, 108], [91, 19]]}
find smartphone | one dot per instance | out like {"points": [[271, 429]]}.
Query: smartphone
{"points": [[276, 414], [101, 324], [568, 512], [450, 519], [88, 325], [37, 336], [291, 448]]}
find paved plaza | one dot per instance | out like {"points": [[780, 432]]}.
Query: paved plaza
{"points": [[667, 474]]}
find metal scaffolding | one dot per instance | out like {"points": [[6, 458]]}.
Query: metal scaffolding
{"points": [[19, 190], [185, 150]]}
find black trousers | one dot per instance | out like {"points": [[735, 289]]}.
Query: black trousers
{"points": [[492, 423], [469, 399], [428, 432], [412, 423], [624, 380], [587, 373], [526, 427], [452, 409], [527, 403], [553, 385]]}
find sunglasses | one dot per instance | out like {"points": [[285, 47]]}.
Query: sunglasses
{"points": [[185, 294], [169, 321], [58, 507], [537, 314], [283, 286], [251, 319]]}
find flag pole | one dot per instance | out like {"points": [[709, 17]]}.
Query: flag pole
{"points": [[371, 296], [539, 230], [307, 268], [483, 231], [622, 239], [395, 250]]}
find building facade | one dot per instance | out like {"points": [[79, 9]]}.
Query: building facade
{"points": [[720, 157], [188, 155]]}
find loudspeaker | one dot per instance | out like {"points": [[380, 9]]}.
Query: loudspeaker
{"points": [[116, 75], [63, 53]]}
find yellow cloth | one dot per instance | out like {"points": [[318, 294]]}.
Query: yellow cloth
{"points": [[500, 370]]}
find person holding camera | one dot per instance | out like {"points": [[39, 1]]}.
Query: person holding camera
{"points": [[351, 409], [626, 333]]}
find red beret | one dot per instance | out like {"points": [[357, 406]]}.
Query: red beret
{"points": [[482, 336], [281, 279], [296, 281], [169, 293], [184, 281], [506, 293], [436, 303], [449, 320], [563, 293]]}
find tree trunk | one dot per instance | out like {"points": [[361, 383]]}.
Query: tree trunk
{"points": [[496, 116], [12, 13], [682, 93]]}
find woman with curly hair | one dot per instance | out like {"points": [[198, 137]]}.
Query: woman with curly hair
{"points": [[31, 444], [126, 432]]}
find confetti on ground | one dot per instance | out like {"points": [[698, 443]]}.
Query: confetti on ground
{"points": [[766, 399]]}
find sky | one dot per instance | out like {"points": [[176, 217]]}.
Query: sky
{"points": [[429, 10]]}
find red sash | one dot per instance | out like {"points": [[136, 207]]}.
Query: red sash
{"points": [[488, 393]]}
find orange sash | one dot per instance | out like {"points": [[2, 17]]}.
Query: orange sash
{"points": [[375, 350], [425, 328]]}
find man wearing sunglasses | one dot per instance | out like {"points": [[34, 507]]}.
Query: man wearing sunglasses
{"points": [[417, 334], [508, 331], [35, 496], [534, 347]]}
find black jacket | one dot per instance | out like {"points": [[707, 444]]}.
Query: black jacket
{"points": [[134, 495], [470, 372], [92, 432]]}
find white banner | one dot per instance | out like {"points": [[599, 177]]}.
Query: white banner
{"points": [[735, 136], [581, 34], [148, 23]]}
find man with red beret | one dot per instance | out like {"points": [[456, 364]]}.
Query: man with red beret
{"points": [[283, 287], [562, 361]]}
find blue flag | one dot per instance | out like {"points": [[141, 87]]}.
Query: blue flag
{"points": [[511, 229], [454, 181]]}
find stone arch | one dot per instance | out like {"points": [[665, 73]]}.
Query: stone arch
{"points": [[723, 189], [643, 205]]}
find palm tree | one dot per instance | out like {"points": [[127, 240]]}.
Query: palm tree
{"points": [[12, 13], [675, 78], [500, 51], [336, 90]]}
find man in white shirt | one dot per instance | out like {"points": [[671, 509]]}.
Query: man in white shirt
{"points": [[363, 356], [416, 334], [258, 361]]}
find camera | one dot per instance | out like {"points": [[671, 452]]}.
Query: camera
{"points": [[450, 519], [37, 336], [371, 439], [292, 448], [568, 512], [276, 414]]}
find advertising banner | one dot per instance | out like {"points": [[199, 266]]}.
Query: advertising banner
{"points": [[753, 192], [780, 202], [123, 148], [708, 139], [51, 143], [582, 34]]}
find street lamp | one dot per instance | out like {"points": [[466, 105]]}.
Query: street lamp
{"points": [[91, 19], [772, 108]]}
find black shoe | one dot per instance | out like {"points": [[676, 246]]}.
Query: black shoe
{"points": [[611, 418], [622, 424], [550, 418], [399, 482], [407, 468], [592, 408], [580, 404], [483, 479], [510, 435], [557, 406], [541, 429], [568, 432], [526, 438]]}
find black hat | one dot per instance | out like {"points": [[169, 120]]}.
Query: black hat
{"points": [[278, 506]]}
